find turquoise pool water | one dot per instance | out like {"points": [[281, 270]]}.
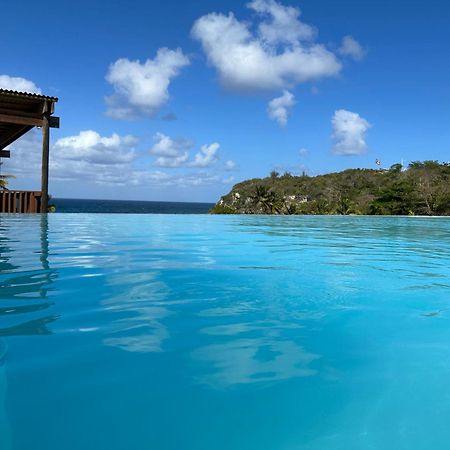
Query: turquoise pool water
{"points": [[165, 332]]}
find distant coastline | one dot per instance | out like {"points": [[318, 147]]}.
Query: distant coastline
{"points": [[71, 205], [422, 188]]}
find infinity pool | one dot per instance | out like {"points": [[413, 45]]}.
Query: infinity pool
{"points": [[167, 332]]}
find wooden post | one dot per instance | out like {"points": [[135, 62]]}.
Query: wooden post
{"points": [[45, 158]]}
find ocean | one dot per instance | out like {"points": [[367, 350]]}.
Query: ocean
{"points": [[206, 332], [70, 205]]}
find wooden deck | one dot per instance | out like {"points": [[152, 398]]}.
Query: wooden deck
{"points": [[20, 201]]}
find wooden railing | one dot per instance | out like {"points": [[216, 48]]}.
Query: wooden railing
{"points": [[20, 201]]}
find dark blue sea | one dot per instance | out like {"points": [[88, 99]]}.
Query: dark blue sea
{"points": [[71, 205]]}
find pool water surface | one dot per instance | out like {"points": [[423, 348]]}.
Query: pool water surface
{"points": [[198, 332]]}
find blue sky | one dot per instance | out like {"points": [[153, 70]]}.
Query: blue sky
{"points": [[238, 89]]}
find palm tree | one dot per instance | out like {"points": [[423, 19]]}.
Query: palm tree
{"points": [[322, 207], [4, 179], [264, 197], [344, 206]]}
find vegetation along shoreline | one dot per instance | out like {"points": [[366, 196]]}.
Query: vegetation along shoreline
{"points": [[423, 188]]}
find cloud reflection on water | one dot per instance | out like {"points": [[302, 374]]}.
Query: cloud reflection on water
{"points": [[138, 306], [260, 345], [242, 361]]}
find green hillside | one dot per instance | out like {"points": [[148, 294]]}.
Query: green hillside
{"points": [[421, 189]]}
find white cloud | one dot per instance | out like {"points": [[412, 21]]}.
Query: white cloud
{"points": [[25, 160], [166, 146], [142, 88], [172, 161], [163, 179], [207, 155], [303, 152], [95, 149], [279, 108], [281, 53], [174, 153], [90, 158], [199, 179], [170, 152], [18, 84], [283, 24], [86, 157], [351, 47], [230, 165], [349, 133]]}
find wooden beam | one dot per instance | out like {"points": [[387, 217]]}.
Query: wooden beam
{"points": [[16, 133], [19, 112], [9, 118], [45, 160], [54, 122]]}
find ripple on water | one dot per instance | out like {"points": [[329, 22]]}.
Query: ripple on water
{"points": [[224, 332]]}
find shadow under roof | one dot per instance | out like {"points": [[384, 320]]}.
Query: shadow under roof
{"points": [[20, 112]]}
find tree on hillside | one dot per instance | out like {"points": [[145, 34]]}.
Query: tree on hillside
{"points": [[265, 198], [321, 207], [344, 207], [396, 168], [396, 199], [421, 188]]}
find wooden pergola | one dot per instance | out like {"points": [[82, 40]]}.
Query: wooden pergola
{"points": [[19, 113]]}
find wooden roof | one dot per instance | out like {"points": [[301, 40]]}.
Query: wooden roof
{"points": [[20, 112]]}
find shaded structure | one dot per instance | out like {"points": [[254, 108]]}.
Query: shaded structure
{"points": [[19, 113]]}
